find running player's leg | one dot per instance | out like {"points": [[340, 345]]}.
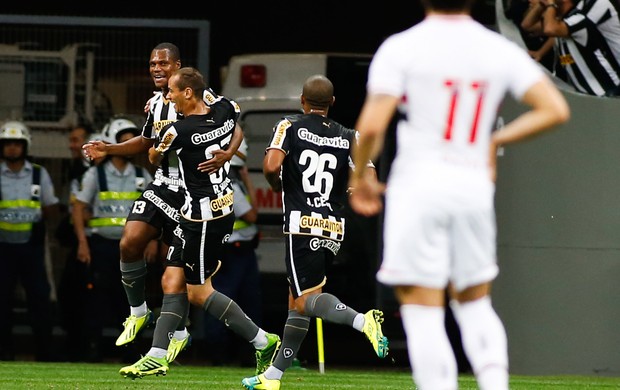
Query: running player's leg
{"points": [[306, 259], [175, 307], [475, 266], [293, 335], [153, 210], [202, 250], [329, 308], [416, 263], [311, 255], [167, 341], [483, 335], [136, 235], [430, 354], [305, 270], [171, 336]]}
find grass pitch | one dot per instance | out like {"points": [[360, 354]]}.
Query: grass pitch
{"points": [[82, 376]]}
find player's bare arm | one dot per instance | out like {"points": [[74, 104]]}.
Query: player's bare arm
{"points": [[83, 250], [532, 22], [135, 145], [549, 109], [155, 156], [366, 194], [272, 163], [220, 156]]}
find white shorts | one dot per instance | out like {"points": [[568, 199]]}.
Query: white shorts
{"points": [[442, 231]]}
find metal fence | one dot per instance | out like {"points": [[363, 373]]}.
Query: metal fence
{"points": [[56, 71]]}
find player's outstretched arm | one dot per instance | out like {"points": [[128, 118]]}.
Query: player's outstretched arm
{"points": [[135, 145]]}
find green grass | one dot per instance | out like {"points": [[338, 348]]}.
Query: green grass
{"points": [[82, 376]]}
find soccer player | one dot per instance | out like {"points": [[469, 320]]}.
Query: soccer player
{"points": [[451, 74], [207, 215], [308, 159], [155, 214]]}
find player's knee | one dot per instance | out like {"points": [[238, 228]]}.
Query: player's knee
{"points": [[300, 305], [131, 247], [173, 282]]}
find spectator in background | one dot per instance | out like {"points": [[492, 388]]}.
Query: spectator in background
{"points": [[78, 136], [238, 276], [27, 199], [109, 190], [78, 164], [539, 47], [587, 41], [72, 286], [439, 221]]}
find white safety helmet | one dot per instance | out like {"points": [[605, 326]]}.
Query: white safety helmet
{"points": [[112, 130], [238, 159], [17, 131]]}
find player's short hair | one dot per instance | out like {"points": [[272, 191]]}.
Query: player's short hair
{"points": [[192, 78], [175, 54]]}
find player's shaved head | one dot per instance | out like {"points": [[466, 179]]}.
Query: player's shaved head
{"points": [[318, 91]]}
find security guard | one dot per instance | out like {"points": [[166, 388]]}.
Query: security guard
{"points": [[26, 198], [108, 191]]}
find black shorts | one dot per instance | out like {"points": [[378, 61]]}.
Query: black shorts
{"points": [[159, 207], [174, 257], [307, 258], [203, 246]]}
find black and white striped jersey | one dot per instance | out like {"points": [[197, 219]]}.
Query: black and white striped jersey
{"points": [[207, 196], [315, 173], [591, 54], [162, 113]]}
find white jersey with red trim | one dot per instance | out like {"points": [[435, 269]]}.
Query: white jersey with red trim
{"points": [[451, 91], [452, 74]]}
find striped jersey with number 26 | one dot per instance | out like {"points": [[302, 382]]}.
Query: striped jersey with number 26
{"points": [[315, 173]]}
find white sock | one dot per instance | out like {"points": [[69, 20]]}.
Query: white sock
{"points": [[180, 334], [432, 360], [484, 341], [273, 373], [260, 341], [157, 352], [359, 321], [139, 311]]}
